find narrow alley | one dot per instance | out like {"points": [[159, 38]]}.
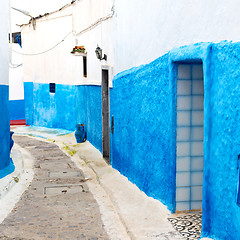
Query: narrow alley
{"points": [[119, 120], [58, 204], [75, 194]]}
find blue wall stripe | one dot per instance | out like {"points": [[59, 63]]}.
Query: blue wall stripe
{"points": [[68, 106], [17, 109], [6, 165], [28, 98]]}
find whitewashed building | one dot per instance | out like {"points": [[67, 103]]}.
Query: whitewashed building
{"points": [[64, 89]]}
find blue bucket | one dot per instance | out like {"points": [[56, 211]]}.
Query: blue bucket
{"points": [[80, 133]]}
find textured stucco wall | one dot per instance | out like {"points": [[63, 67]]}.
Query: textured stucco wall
{"points": [[143, 103], [28, 97], [221, 175], [17, 109], [141, 147], [6, 165], [54, 110], [70, 105], [89, 112]]}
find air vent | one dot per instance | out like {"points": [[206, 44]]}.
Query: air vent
{"points": [[52, 87]]}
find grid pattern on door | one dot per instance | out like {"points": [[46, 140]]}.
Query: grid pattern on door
{"points": [[189, 175]]}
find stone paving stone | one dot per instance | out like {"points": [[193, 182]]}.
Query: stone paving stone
{"points": [[189, 225], [70, 213]]}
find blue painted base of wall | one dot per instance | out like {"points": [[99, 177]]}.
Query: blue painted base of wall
{"points": [[17, 109], [6, 165], [68, 106], [141, 143], [28, 97], [7, 170], [89, 112]]}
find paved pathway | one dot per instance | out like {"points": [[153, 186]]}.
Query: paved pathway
{"points": [[187, 224], [58, 204]]}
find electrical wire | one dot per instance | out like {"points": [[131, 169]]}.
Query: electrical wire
{"points": [[83, 31], [100, 20], [34, 54], [15, 65]]}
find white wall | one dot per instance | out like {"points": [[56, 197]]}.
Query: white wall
{"points": [[18, 18], [35, 8], [56, 65], [87, 13], [16, 88], [59, 65], [4, 52], [146, 29]]}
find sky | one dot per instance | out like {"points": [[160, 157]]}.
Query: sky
{"points": [[35, 8]]}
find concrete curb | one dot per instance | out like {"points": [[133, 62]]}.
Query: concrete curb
{"points": [[110, 217], [10, 180], [13, 185], [144, 218], [127, 212], [139, 216]]}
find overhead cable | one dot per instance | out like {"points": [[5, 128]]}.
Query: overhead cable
{"points": [[100, 20], [34, 54], [81, 32], [11, 65]]}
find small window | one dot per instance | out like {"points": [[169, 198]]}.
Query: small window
{"points": [[84, 66], [16, 38], [52, 87]]}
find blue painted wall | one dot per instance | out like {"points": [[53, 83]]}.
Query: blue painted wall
{"points": [[141, 147], [17, 109], [6, 165], [143, 102], [53, 110], [28, 97], [70, 105], [222, 214], [89, 112]]}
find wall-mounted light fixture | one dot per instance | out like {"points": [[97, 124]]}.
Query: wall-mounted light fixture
{"points": [[98, 52]]}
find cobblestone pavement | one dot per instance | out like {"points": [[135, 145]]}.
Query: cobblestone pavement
{"points": [[188, 224], [58, 204]]}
